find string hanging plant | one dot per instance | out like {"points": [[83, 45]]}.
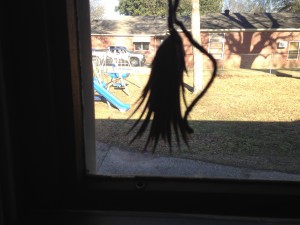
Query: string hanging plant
{"points": [[165, 88]]}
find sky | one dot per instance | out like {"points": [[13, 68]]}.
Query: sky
{"points": [[109, 7]]}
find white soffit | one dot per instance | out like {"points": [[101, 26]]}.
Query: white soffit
{"points": [[141, 39]]}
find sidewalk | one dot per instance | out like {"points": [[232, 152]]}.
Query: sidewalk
{"points": [[112, 161]]}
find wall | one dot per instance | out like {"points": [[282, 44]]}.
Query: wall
{"points": [[258, 50], [101, 42], [247, 50]]}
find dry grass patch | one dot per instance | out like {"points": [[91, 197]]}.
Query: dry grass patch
{"points": [[247, 119]]}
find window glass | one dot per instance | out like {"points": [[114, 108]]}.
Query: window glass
{"points": [[141, 46], [245, 127]]}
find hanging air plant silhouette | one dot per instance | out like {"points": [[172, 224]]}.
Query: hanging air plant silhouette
{"points": [[162, 94]]}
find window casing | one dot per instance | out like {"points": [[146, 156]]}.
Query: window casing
{"points": [[216, 45], [294, 47]]}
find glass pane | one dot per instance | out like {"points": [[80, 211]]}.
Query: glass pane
{"points": [[293, 55], [138, 46], [217, 56], [245, 127], [294, 45], [217, 37], [216, 45], [216, 50], [146, 46]]}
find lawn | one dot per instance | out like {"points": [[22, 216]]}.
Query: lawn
{"points": [[248, 118]]}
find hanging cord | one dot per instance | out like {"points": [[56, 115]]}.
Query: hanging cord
{"points": [[165, 87], [201, 49], [171, 17]]}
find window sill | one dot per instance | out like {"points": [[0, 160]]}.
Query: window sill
{"points": [[135, 218]]}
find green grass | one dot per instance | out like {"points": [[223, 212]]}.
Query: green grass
{"points": [[248, 119]]}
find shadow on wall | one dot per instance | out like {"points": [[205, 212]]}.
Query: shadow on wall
{"points": [[250, 45]]}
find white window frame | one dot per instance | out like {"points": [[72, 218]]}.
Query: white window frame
{"points": [[289, 50], [220, 40], [142, 45]]}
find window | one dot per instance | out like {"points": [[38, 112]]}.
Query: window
{"points": [[229, 144], [282, 44], [141, 46], [294, 50], [216, 45], [45, 141]]}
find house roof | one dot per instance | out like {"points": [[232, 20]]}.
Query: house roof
{"points": [[151, 25]]}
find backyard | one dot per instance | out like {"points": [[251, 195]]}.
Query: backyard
{"points": [[248, 118]]}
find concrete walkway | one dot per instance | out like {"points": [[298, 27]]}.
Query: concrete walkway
{"points": [[112, 161]]}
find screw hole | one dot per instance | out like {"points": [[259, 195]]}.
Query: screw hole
{"points": [[140, 185]]}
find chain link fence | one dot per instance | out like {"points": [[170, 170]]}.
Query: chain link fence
{"points": [[271, 63]]}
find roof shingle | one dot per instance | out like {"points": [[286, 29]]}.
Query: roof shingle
{"points": [[151, 25]]}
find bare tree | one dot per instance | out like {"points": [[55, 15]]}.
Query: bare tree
{"points": [[246, 6], [198, 61], [96, 10], [291, 6]]}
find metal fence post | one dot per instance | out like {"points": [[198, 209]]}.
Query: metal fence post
{"points": [[271, 60]]}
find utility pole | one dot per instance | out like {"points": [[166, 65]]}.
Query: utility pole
{"points": [[198, 60]]}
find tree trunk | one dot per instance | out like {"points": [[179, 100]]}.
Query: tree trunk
{"points": [[198, 61]]}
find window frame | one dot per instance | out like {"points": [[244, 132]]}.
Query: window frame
{"points": [[298, 51], [210, 42], [143, 192], [140, 193], [142, 45]]}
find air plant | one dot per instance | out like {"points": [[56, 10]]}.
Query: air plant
{"points": [[165, 88]]}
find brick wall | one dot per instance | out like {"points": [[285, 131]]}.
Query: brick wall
{"points": [[255, 50]]}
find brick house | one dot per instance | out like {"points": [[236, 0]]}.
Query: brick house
{"points": [[256, 41]]}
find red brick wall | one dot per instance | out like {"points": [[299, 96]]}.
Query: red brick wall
{"points": [[101, 42], [255, 50], [258, 50]]}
